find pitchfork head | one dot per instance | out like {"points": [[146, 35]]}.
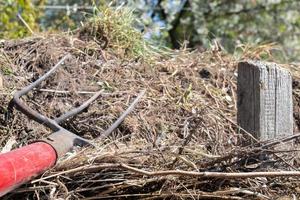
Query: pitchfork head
{"points": [[62, 140]]}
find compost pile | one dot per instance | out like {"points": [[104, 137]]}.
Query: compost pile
{"points": [[185, 123]]}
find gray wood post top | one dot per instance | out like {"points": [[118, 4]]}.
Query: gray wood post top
{"points": [[264, 99]]}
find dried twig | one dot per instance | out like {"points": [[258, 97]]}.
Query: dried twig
{"points": [[232, 175], [25, 23]]}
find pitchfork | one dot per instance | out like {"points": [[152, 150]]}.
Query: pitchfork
{"points": [[21, 165]]}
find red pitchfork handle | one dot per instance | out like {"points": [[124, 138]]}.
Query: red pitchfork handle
{"points": [[20, 165]]}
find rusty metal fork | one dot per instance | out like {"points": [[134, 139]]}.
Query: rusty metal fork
{"points": [[61, 139], [24, 163]]}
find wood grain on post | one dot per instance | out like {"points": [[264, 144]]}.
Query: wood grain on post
{"points": [[265, 100]]}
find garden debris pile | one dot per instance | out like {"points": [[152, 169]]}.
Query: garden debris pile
{"points": [[184, 125]]}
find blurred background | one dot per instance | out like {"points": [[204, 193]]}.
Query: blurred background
{"points": [[173, 23]]}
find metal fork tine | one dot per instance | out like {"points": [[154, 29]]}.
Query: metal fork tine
{"points": [[30, 87], [79, 109], [52, 124], [16, 101]]}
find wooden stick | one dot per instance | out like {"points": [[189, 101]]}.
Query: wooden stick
{"points": [[225, 175], [64, 91], [233, 175], [281, 140], [25, 23], [198, 195]]}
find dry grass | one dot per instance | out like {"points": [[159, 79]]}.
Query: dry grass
{"points": [[186, 121], [113, 28]]}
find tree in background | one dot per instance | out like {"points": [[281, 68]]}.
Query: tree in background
{"points": [[194, 23], [232, 22], [11, 25], [67, 14]]}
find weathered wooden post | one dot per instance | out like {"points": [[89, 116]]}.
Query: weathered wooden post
{"points": [[264, 100]]}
